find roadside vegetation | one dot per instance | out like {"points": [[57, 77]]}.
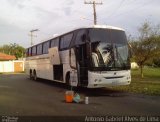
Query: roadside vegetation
{"points": [[146, 53], [146, 48], [149, 84], [13, 49]]}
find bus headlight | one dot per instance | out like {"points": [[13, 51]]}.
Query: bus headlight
{"points": [[95, 80]]}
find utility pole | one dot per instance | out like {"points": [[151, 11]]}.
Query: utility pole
{"points": [[31, 35], [94, 9]]}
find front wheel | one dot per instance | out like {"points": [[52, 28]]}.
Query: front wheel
{"points": [[34, 75], [68, 82]]}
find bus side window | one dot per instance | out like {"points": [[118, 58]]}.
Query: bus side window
{"points": [[45, 47], [55, 42], [39, 49], [34, 51], [80, 36], [65, 41]]}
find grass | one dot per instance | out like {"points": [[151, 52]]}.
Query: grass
{"points": [[150, 84]]}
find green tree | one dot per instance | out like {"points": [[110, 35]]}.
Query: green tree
{"points": [[13, 49], [146, 47]]}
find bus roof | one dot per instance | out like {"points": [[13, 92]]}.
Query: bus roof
{"points": [[86, 27], [108, 27], [101, 26]]}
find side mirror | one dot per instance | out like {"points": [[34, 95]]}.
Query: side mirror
{"points": [[72, 58]]}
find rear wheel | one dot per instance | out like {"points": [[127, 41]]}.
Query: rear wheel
{"points": [[30, 74]]}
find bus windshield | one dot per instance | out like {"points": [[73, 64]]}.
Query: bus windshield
{"points": [[109, 49]]}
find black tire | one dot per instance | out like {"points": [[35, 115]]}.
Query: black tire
{"points": [[34, 75], [30, 75]]}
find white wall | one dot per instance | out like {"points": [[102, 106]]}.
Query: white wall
{"points": [[8, 66]]}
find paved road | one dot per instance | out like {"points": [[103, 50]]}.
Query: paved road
{"points": [[21, 96]]}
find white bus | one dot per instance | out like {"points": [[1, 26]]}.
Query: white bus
{"points": [[90, 57]]}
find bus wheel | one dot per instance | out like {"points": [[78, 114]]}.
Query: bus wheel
{"points": [[68, 79], [34, 75], [30, 75]]}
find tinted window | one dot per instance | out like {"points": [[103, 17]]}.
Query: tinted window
{"points": [[108, 35], [65, 41], [33, 50], [118, 37], [79, 37], [55, 42], [39, 49], [109, 49], [99, 35], [45, 47]]}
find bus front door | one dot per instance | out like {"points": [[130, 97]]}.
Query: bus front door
{"points": [[82, 63]]}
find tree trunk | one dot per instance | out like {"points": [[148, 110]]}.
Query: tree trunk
{"points": [[141, 68]]}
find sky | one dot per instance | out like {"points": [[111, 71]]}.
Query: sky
{"points": [[52, 17]]}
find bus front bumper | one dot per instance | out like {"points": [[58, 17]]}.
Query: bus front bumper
{"points": [[108, 78]]}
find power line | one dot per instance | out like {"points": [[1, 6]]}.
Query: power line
{"points": [[132, 9], [94, 9], [135, 8], [117, 8]]}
